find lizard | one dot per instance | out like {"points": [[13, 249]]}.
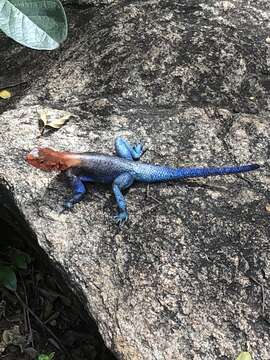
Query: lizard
{"points": [[120, 170]]}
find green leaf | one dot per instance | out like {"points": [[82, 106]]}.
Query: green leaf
{"points": [[38, 24], [244, 355], [20, 259], [8, 277], [46, 357]]}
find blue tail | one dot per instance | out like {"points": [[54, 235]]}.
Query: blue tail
{"points": [[156, 173], [212, 171]]}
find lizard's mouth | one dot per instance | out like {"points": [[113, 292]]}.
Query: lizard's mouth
{"points": [[36, 159], [49, 159]]}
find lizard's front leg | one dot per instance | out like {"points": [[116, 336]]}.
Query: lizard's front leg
{"points": [[122, 182], [77, 187], [124, 150]]}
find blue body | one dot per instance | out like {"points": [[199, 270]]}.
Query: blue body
{"points": [[122, 171], [105, 168]]}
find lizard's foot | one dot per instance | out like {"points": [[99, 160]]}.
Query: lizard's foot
{"points": [[138, 150], [121, 218], [68, 205]]}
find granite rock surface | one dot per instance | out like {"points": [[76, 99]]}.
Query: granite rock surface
{"points": [[188, 276]]}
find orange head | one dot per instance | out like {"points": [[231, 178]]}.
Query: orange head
{"points": [[49, 159]]}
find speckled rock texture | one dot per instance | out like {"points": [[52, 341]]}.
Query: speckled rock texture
{"points": [[188, 277]]}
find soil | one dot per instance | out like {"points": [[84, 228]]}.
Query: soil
{"points": [[42, 316]]}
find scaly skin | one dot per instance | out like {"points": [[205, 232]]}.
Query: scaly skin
{"points": [[121, 170]]}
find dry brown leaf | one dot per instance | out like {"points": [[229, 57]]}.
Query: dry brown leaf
{"points": [[43, 116], [14, 337], [53, 118]]}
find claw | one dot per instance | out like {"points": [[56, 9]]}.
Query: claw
{"points": [[144, 151], [142, 142]]}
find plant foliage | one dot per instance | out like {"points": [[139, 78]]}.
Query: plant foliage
{"points": [[8, 277], [16, 260], [46, 357], [38, 24]]}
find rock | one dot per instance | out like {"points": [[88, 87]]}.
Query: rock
{"points": [[183, 279]]}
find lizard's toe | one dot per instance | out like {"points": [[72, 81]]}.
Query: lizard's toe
{"points": [[138, 150], [121, 218], [68, 205]]}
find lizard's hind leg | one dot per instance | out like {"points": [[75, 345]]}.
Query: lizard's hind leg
{"points": [[122, 182], [125, 150]]}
